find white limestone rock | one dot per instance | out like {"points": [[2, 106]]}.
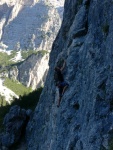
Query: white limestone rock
{"points": [[6, 92], [31, 23], [32, 72]]}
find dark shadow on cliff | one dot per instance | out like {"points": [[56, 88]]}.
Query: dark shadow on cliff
{"points": [[26, 101]]}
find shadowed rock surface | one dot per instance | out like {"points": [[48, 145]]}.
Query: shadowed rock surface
{"points": [[84, 120], [15, 123]]}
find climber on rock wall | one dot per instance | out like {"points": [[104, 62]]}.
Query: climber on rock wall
{"points": [[59, 81], [62, 86]]}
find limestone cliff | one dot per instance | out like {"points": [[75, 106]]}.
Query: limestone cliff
{"points": [[29, 24], [84, 120], [32, 72]]}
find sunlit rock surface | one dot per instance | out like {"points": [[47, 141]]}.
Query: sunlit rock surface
{"points": [[29, 24], [33, 71]]}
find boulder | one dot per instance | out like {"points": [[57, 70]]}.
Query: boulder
{"points": [[15, 123]]}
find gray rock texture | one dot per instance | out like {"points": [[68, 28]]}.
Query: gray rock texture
{"points": [[15, 122], [84, 120], [29, 24], [32, 72]]}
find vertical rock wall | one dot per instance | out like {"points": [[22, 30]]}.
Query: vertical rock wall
{"points": [[84, 119]]}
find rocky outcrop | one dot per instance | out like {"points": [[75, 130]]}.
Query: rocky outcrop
{"points": [[15, 123], [29, 24], [33, 71], [84, 119]]}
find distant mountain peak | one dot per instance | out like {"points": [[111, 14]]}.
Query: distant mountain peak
{"points": [[33, 24]]}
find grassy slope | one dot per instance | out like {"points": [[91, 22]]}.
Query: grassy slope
{"points": [[16, 87], [28, 99], [5, 59]]}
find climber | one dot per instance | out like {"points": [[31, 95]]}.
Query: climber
{"points": [[62, 86], [59, 81], [58, 77]]}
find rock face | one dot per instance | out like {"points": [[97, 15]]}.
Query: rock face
{"points": [[15, 122], [29, 24], [84, 120], [32, 72]]}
